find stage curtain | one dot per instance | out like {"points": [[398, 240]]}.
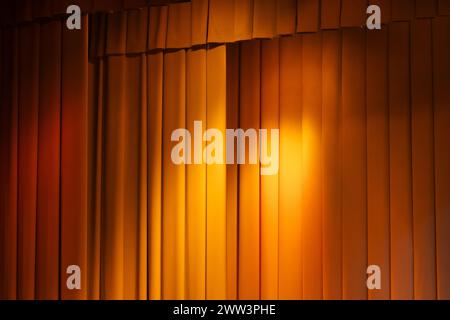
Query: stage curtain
{"points": [[86, 176]]}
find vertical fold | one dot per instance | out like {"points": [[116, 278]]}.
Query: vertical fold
{"points": [[199, 21], [113, 206], [137, 28], [132, 193], [286, 17], [27, 159], [232, 171], [402, 278], [354, 162], [216, 175], [142, 291], [330, 14], [155, 124], [249, 173], [173, 177], [10, 116], [179, 25], [308, 13], [196, 176], [332, 173], [422, 125], [441, 86], [264, 19], [353, 13], [74, 97], [120, 130], [95, 170], [378, 200], [157, 25], [290, 180], [270, 119], [312, 166], [47, 246], [116, 33], [243, 19], [221, 21]]}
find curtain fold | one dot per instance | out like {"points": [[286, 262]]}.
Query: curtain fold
{"points": [[400, 163], [48, 183], [270, 119], [173, 179], [216, 174], [354, 165], [441, 80], [290, 272], [155, 132], [196, 176], [249, 175], [28, 106], [378, 187]]}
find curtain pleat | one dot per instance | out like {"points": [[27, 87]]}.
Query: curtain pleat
{"points": [[196, 202], [354, 172], [95, 165], [286, 17], [179, 26], [233, 83], [221, 13], [27, 159], [48, 183], [353, 13], [330, 14], [216, 192], [9, 184], [378, 215], [264, 19], [243, 19], [157, 27], [270, 119], [400, 163], [155, 63], [143, 181], [312, 165], [137, 21], [113, 208], [199, 20], [249, 174], [173, 179], [308, 15], [133, 186], [290, 279], [441, 84], [331, 162], [422, 125], [74, 157], [116, 35]]}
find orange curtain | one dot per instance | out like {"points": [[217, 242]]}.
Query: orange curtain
{"points": [[86, 176]]}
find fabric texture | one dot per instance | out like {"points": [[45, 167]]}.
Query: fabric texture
{"points": [[86, 176]]}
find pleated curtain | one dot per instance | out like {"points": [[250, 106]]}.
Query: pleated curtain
{"points": [[364, 174]]}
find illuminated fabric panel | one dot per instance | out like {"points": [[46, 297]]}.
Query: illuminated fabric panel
{"points": [[88, 178]]}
